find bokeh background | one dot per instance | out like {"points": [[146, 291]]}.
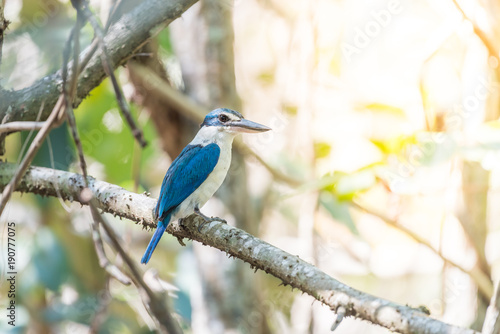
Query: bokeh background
{"points": [[385, 153]]}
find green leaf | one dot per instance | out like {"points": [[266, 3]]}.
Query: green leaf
{"points": [[339, 210]]}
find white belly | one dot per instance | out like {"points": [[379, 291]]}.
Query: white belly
{"points": [[206, 190]]}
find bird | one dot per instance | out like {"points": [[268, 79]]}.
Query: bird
{"points": [[196, 174]]}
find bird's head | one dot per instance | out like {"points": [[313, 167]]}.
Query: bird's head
{"points": [[232, 121]]}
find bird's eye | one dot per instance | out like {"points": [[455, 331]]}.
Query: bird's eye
{"points": [[223, 118]]}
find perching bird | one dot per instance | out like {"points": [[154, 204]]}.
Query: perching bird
{"points": [[195, 175]]}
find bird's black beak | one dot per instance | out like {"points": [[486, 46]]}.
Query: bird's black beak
{"points": [[245, 125]]}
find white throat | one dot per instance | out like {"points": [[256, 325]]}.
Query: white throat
{"points": [[213, 134]]}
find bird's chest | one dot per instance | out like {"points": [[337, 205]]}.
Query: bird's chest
{"points": [[215, 179]]}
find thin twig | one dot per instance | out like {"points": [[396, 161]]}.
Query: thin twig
{"points": [[480, 278], [153, 303], [76, 53], [20, 126], [91, 50], [69, 90], [108, 68], [104, 262], [65, 54], [30, 134], [53, 120], [112, 12], [492, 50]]}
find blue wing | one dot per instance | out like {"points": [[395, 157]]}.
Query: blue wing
{"points": [[185, 175], [188, 171]]}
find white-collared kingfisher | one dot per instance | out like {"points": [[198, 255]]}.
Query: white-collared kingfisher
{"points": [[196, 174]]}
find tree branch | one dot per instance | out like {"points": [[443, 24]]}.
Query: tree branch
{"points": [[124, 37], [108, 68], [20, 126], [482, 280], [259, 254], [492, 50]]}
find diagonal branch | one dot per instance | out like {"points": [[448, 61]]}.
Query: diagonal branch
{"points": [[290, 269], [123, 38], [478, 276], [492, 50], [54, 120], [196, 112]]}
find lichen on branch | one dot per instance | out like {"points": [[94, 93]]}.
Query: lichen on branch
{"points": [[259, 254]]}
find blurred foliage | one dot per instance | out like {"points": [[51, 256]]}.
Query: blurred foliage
{"points": [[164, 41], [322, 149], [106, 137], [395, 144], [354, 146], [339, 210]]}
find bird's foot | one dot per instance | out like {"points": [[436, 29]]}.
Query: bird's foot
{"points": [[181, 223], [207, 219]]}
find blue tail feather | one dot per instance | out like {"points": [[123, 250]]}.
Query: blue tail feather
{"points": [[154, 241]]}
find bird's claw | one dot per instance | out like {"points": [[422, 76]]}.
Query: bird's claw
{"points": [[209, 220], [201, 226]]}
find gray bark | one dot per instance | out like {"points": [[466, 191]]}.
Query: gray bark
{"points": [[124, 37], [289, 268]]}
